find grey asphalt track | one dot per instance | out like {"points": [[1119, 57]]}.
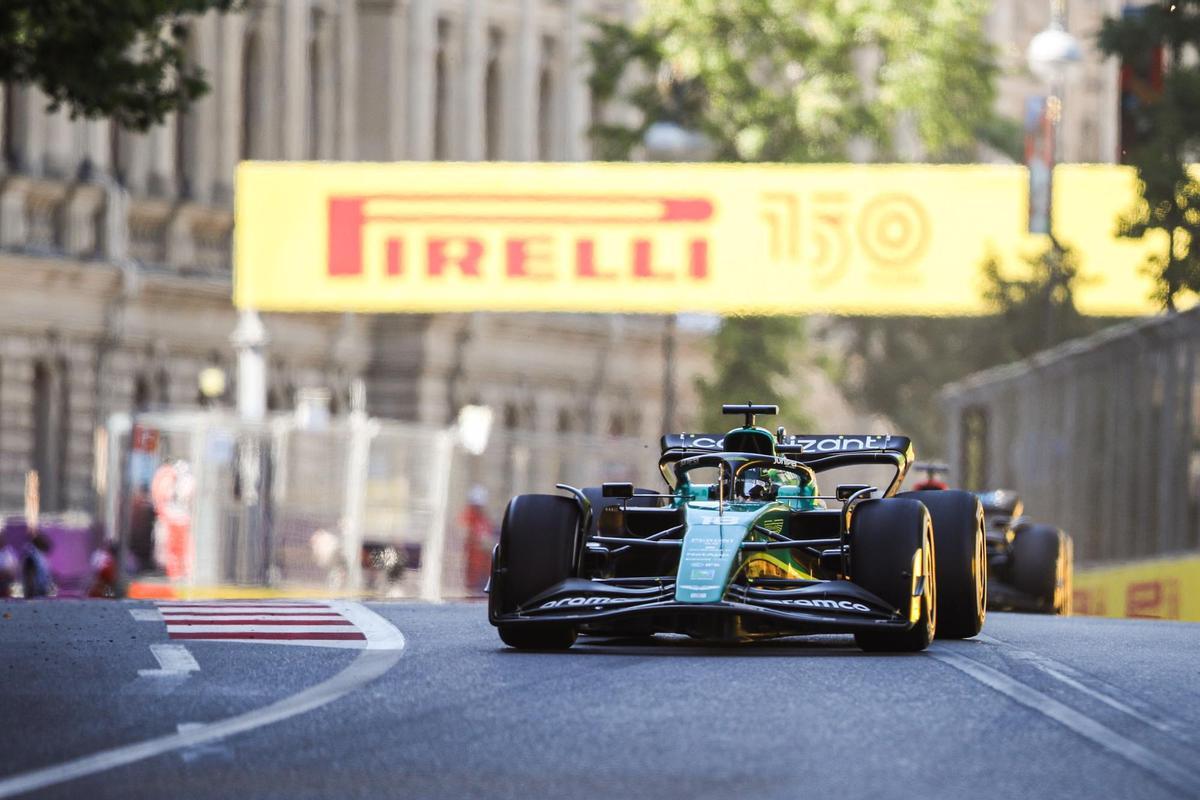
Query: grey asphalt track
{"points": [[1038, 707]]}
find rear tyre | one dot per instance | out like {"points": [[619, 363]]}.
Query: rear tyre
{"points": [[892, 556], [537, 550], [960, 542], [1038, 566]]}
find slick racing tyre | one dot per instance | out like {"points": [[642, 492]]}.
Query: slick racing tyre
{"points": [[1039, 566], [537, 549], [892, 556], [961, 546]]}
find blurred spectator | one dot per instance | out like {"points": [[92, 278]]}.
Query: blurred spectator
{"points": [[171, 489], [35, 569], [10, 566], [481, 538], [141, 528], [104, 571]]}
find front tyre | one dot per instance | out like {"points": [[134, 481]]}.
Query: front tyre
{"points": [[546, 636], [892, 556], [961, 545], [536, 551]]}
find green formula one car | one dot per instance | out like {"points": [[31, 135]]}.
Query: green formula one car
{"points": [[743, 546]]}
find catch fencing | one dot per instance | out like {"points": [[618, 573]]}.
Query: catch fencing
{"points": [[201, 500], [1098, 436]]}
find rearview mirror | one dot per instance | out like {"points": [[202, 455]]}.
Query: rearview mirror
{"points": [[845, 491], [617, 490]]}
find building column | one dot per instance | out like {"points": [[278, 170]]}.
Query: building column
{"points": [[60, 157], [34, 139], [97, 133], [266, 130], [161, 182], [326, 116], [295, 131], [347, 73], [576, 100], [203, 140], [422, 55], [227, 96], [381, 88], [137, 173], [453, 113], [527, 57], [473, 78]]}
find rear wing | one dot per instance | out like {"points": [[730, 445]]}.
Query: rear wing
{"points": [[797, 446], [819, 451]]}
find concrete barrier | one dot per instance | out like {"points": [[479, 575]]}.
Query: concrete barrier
{"points": [[1163, 588]]}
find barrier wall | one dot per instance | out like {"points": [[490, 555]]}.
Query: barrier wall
{"points": [[1166, 588]]}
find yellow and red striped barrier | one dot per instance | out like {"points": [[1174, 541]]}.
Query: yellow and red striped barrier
{"points": [[1165, 588]]}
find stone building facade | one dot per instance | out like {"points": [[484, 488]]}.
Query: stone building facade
{"points": [[115, 247]]}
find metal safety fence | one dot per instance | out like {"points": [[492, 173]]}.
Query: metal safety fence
{"points": [[353, 505], [1098, 436]]}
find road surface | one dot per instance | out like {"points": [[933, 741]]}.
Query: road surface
{"points": [[420, 701]]}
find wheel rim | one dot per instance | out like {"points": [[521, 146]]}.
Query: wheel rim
{"points": [[980, 568], [930, 582]]}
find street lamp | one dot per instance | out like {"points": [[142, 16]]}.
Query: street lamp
{"points": [[669, 141], [1051, 55]]}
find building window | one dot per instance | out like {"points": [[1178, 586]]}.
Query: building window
{"points": [[64, 436], [545, 109], [183, 154], [164, 387], [251, 97], [316, 111], [116, 151], [493, 102], [441, 108], [141, 394], [43, 403], [14, 125], [185, 121]]}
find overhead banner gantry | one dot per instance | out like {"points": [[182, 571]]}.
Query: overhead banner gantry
{"points": [[664, 238]]}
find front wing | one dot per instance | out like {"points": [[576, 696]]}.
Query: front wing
{"points": [[803, 607]]}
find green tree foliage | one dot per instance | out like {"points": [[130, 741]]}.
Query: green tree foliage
{"points": [[1170, 196], [802, 81], [799, 80], [753, 355], [124, 59], [900, 364], [1034, 311]]}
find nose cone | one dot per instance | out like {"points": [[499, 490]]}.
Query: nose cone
{"points": [[710, 550]]}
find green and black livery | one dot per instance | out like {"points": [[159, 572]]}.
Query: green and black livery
{"points": [[743, 546]]}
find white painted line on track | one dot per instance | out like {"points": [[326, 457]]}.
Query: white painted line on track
{"points": [[208, 749], [1160, 767], [173, 660], [146, 614], [308, 623], [385, 645], [1136, 709]]}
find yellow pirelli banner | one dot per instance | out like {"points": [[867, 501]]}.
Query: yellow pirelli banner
{"points": [[844, 239], [1165, 588]]}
